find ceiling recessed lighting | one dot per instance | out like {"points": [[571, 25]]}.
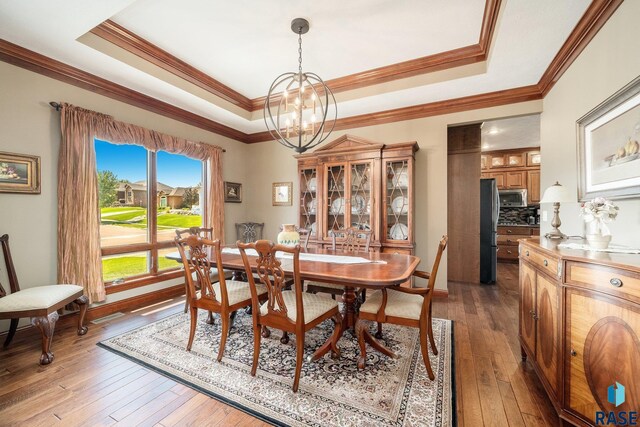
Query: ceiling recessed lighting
{"points": [[485, 146], [494, 131]]}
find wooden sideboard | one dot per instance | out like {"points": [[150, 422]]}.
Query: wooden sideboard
{"points": [[514, 169], [580, 326]]}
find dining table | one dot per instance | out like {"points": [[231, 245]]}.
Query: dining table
{"points": [[354, 270]]}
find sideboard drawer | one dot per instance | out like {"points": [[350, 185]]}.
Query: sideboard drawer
{"points": [[610, 280], [545, 262]]}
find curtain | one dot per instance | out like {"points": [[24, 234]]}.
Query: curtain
{"points": [[79, 255]]}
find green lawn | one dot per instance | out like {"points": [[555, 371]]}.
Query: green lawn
{"points": [[125, 266], [120, 209], [111, 216]]}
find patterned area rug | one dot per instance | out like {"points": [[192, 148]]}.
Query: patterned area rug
{"points": [[388, 392]]}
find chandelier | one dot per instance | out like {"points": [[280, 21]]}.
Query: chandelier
{"points": [[297, 105]]}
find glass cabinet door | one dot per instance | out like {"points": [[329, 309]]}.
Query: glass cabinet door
{"points": [[396, 207], [308, 200], [336, 201], [361, 211]]}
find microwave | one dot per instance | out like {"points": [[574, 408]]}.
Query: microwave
{"points": [[513, 198]]}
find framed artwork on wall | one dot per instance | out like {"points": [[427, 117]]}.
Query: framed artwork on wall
{"points": [[609, 147], [19, 173], [282, 194], [232, 192]]}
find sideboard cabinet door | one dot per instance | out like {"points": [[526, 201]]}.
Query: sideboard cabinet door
{"points": [[527, 307], [603, 349], [547, 341]]}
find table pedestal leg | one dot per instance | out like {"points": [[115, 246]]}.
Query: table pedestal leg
{"points": [[349, 300]]}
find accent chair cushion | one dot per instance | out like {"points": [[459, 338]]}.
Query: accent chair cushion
{"points": [[37, 298], [313, 305], [399, 304]]}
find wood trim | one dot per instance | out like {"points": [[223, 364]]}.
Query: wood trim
{"points": [[440, 293], [485, 100], [594, 18], [24, 58], [144, 280], [132, 43], [135, 302], [489, 20]]}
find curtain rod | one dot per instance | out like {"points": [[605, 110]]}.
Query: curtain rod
{"points": [[57, 107]]}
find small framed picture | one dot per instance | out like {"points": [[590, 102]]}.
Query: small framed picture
{"points": [[232, 192], [19, 173], [609, 146], [282, 194]]}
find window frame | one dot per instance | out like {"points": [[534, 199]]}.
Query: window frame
{"points": [[152, 246]]}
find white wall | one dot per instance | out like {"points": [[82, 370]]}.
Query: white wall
{"points": [[608, 63], [271, 162], [29, 125]]}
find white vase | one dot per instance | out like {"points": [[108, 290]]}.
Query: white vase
{"points": [[288, 236], [598, 241]]}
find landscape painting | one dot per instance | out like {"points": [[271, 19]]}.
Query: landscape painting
{"points": [[19, 173]]}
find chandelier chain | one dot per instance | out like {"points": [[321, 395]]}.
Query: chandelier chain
{"points": [[300, 50]]}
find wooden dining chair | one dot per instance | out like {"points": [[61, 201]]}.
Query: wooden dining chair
{"points": [[224, 296], [403, 306], [40, 303], [201, 232], [351, 240], [292, 311], [248, 232]]}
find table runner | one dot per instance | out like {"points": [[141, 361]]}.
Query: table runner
{"points": [[612, 248], [335, 259]]}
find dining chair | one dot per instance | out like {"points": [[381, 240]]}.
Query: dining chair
{"points": [[199, 255], [248, 232], [292, 311], [351, 240], [202, 232], [40, 303], [406, 307]]}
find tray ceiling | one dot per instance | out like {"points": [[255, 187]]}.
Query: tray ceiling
{"points": [[245, 44]]}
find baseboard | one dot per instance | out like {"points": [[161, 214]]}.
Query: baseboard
{"points": [[440, 293], [135, 302]]}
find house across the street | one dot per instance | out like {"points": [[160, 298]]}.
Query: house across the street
{"points": [[135, 194]]}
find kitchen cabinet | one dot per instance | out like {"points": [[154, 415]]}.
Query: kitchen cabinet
{"points": [[353, 182], [579, 323], [507, 238], [515, 179], [533, 187]]}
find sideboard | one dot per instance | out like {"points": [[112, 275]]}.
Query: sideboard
{"points": [[579, 326]]}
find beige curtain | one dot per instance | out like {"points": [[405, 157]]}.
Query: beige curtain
{"points": [[79, 256]]}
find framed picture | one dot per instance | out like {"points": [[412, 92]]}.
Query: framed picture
{"points": [[232, 192], [282, 194], [609, 147], [19, 173]]}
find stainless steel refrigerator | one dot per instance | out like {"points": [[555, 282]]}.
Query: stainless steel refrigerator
{"points": [[489, 211]]}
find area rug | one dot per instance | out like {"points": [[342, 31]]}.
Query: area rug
{"points": [[388, 392]]}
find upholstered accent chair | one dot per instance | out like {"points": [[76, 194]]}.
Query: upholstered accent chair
{"points": [[199, 256], [288, 310], [248, 232], [40, 303], [403, 306], [346, 240], [201, 232]]}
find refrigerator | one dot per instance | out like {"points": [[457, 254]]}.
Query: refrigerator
{"points": [[489, 211]]}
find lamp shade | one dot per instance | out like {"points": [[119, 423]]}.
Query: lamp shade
{"points": [[557, 194]]}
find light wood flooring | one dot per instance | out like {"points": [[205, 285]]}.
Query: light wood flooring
{"points": [[87, 385]]}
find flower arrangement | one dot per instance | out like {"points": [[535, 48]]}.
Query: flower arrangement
{"points": [[597, 213]]}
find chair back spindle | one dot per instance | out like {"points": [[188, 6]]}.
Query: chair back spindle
{"points": [[197, 260], [11, 271], [352, 240]]}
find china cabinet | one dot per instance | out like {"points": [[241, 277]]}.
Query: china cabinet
{"points": [[353, 182]]}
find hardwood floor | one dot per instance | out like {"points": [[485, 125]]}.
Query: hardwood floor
{"points": [[87, 385]]}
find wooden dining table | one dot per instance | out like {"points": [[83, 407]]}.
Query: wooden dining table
{"points": [[381, 271]]}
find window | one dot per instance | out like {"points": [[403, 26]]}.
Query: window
{"points": [[144, 197]]}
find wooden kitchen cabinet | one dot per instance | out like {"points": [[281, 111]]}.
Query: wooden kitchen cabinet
{"points": [[500, 179], [515, 179], [533, 187], [580, 325]]}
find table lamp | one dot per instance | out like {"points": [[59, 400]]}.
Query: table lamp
{"points": [[556, 194]]}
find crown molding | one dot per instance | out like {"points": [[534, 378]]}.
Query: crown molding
{"points": [[132, 43], [594, 18], [24, 58]]}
